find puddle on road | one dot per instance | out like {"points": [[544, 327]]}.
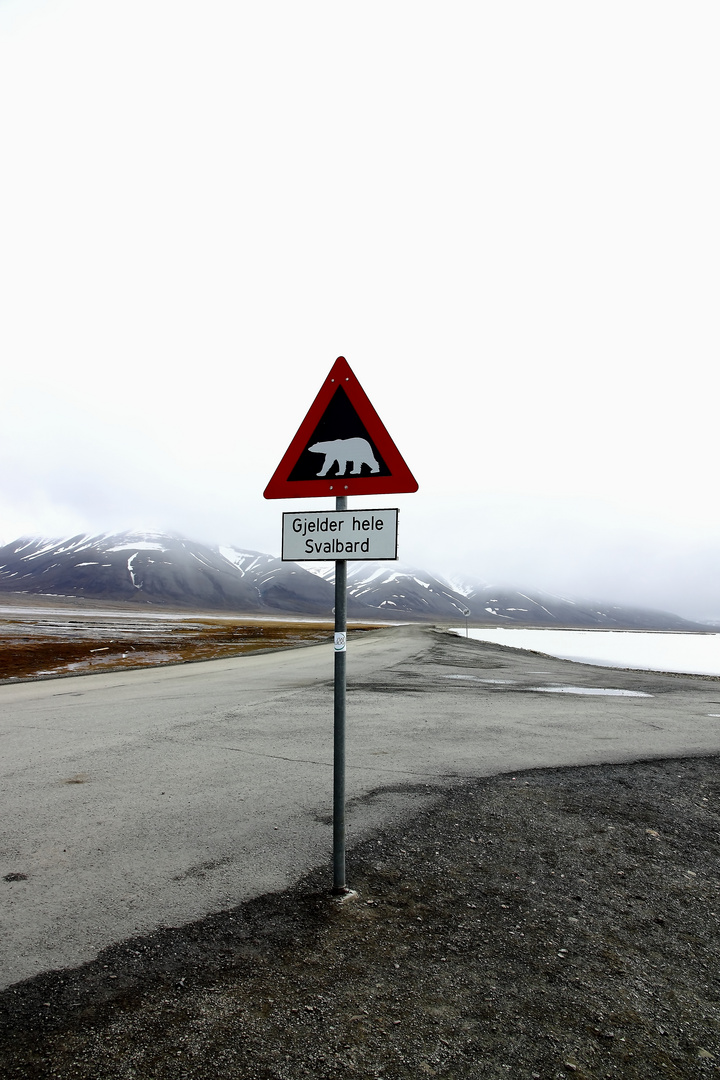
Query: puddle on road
{"points": [[595, 690], [591, 690], [476, 678]]}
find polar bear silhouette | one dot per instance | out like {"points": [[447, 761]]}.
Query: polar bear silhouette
{"points": [[345, 451]]}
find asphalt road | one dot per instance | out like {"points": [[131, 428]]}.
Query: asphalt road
{"points": [[140, 799]]}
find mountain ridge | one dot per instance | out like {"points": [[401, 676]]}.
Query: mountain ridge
{"points": [[166, 569]]}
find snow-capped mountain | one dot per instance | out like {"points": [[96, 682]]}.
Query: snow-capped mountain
{"points": [[399, 591], [509, 606], [161, 569], [154, 568]]}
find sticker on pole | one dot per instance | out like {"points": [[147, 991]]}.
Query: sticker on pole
{"points": [[340, 643], [341, 448]]}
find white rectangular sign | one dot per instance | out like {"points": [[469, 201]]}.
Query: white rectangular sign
{"points": [[325, 535]]}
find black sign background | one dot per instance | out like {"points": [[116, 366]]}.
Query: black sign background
{"points": [[339, 421]]}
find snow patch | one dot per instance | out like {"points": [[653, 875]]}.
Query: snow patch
{"points": [[144, 545], [587, 690], [132, 572]]}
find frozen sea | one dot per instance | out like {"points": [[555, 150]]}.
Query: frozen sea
{"points": [[689, 653]]}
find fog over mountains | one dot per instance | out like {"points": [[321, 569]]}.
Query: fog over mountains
{"points": [[171, 570]]}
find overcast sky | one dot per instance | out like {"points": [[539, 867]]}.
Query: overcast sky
{"points": [[505, 215]]}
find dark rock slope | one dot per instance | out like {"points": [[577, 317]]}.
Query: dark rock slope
{"points": [[154, 568]]}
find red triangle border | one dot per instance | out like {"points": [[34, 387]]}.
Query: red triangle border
{"points": [[400, 479]]}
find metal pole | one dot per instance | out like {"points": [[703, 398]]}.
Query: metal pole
{"points": [[339, 885]]}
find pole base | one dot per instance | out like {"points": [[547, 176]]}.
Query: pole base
{"points": [[341, 896]]}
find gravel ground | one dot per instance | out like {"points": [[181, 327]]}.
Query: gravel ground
{"points": [[543, 924]]}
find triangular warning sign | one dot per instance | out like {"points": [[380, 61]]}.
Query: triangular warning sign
{"points": [[341, 447]]}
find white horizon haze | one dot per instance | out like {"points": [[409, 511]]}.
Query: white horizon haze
{"points": [[505, 217]]}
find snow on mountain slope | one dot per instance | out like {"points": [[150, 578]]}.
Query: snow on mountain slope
{"points": [[154, 568], [396, 589]]}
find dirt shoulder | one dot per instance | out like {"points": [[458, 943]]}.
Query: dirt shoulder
{"points": [[541, 924], [42, 645]]}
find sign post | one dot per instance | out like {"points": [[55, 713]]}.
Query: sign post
{"points": [[341, 448], [339, 684]]}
